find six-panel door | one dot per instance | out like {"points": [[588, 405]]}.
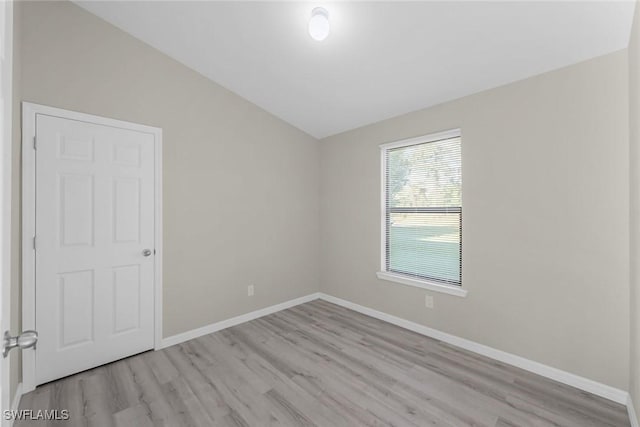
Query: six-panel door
{"points": [[94, 219]]}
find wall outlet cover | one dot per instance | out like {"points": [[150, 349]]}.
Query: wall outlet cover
{"points": [[428, 301]]}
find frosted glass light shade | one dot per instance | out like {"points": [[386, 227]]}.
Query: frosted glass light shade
{"points": [[319, 24]]}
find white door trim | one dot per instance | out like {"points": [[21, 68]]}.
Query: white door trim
{"points": [[5, 196], [29, 112]]}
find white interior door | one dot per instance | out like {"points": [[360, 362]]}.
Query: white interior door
{"points": [[94, 243]]}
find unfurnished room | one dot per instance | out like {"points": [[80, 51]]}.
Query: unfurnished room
{"points": [[294, 213]]}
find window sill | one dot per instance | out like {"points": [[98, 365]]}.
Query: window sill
{"points": [[424, 284]]}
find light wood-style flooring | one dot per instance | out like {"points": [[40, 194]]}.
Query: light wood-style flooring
{"points": [[317, 364]]}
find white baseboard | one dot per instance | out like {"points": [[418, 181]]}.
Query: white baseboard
{"points": [[16, 403], [585, 384], [214, 327], [633, 417]]}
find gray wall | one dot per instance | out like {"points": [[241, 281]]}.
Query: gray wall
{"points": [[634, 145], [240, 186], [545, 219]]}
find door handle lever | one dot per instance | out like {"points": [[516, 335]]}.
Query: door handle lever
{"points": [[27, 339]]}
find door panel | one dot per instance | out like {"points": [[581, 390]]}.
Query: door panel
{"points": [[94, 217], [126, 298], [76, 308], [76, 210], [126, 219]]}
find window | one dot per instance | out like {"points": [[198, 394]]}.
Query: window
{"points": [[422, 211]]}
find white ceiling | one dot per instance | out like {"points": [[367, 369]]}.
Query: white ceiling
{"points": [[381, 59]]}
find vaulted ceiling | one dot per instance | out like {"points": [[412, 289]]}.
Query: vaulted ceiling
{"points": [[380, 60]]}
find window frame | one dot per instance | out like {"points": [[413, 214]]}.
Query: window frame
{"points": [[407, 278]]}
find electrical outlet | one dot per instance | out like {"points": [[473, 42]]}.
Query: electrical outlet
{"points": [[250, 290], [428, 301]]}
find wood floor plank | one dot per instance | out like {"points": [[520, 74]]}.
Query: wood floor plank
{"points": [[69, 394], [133, 416], [317, 364], [286, 411], [206, 390], [183, 400]]}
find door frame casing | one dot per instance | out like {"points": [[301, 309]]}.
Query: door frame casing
{"points": [[6, 188], [29, 113]]}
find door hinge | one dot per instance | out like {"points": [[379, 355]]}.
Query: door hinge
{"points": [[34, 243], [35, 145]]}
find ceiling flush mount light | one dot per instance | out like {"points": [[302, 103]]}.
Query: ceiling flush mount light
{"points": [[319, 24]]}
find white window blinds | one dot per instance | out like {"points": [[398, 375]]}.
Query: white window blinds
{"points": [[423, 208]]}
